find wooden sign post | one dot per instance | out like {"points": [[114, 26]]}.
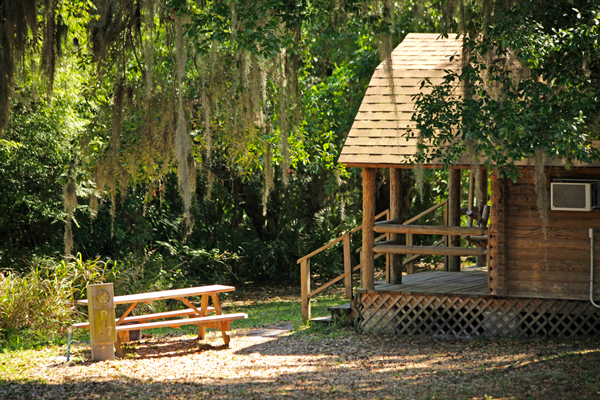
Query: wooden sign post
{"points": [[101, 311]]}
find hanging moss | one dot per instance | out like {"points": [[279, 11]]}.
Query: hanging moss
{"points": [[149, 47], [112, 192], [115, 141], [99, 178], [256, 95], [54, 34], [385, 52], [418, 8], [207, 116], [339, 182], [210, 181], [419, 173], [283, 117], [183, 153], [70, 201], [6, 77], [17, 18], [268, 168]]}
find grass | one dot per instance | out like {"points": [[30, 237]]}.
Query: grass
{"points": [[269, 312], [323, 361]]}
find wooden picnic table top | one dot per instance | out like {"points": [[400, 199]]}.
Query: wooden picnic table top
{"points": [[168, 294]]}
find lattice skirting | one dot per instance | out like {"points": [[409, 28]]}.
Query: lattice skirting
{"points": [[460, 316]]}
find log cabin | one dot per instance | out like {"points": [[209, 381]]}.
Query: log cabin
{"points": [[535, 281]]}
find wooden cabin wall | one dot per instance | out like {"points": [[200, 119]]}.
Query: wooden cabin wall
{"points": [[556, 266]]}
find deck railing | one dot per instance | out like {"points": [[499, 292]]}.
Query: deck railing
{"points": [[304, 262]]}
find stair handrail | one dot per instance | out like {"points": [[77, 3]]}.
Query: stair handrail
{"points": [[328, 245], [304, 262]]}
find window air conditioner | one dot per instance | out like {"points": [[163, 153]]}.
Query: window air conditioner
{"points": [[574, 195]]}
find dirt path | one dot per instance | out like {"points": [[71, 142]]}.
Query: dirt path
{"points": [[332, 364]]}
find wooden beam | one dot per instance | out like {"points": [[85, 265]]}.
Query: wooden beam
{"points": [[454, 216], [414, 257], [471, 200], [482, 199], [305, 289], [396, 197], [347, 266], [358, 228], [430, 209], [387, 221], [407, 165], [431, 230], [368, 236], [410, 266], [430, 250], [482, 186], [306, 257]]}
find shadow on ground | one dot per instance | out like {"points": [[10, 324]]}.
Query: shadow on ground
{"points": [[309, 365]]}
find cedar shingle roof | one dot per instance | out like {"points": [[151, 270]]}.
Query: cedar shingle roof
{"points": [[378, 136]]}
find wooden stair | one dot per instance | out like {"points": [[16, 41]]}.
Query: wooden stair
{"points": [[343, 312], [322, 320]]}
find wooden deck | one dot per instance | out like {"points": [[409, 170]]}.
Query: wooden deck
{"points": [[471, 283], [457, 304]]}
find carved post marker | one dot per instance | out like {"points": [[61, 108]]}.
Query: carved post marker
{"points": [[101, 311]]}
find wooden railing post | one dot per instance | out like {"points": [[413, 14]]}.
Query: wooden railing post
{"points": [[482, 200], [347, 266], [446, 238], [368, 236], [396, 201], [454, 215], [387, 256], [305, 289], [410, 267]]}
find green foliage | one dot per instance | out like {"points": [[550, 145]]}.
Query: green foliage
{"points": [[110, 127], [31, 162], [532, 82], [42, 299], [40, 303]]}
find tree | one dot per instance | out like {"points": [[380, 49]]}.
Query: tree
{"points": [[531, 83]]}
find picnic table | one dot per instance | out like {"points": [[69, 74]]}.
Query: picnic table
{"points": [[195, 315]]}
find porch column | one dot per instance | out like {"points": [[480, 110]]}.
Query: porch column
{"points": [[454, 215], [482, 189], [396, 196], [368, 236], [482, 186]]}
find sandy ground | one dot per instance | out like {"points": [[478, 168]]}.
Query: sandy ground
{"points": [[330, 363]]}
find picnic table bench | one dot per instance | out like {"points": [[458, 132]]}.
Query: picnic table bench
{"points": [[195, 315]]}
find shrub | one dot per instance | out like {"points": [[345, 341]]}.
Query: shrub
{"points": [[43, 299]]}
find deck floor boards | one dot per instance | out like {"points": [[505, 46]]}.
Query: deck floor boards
{"points": [[439, 282]]}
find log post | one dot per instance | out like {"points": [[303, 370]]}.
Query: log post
{"points": [[454, 215], [482, 186], [347, 266], [410, 267], [396, 196], [482, 191], [368, 236], [471, 199], [305, 289], [446, 241]]}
